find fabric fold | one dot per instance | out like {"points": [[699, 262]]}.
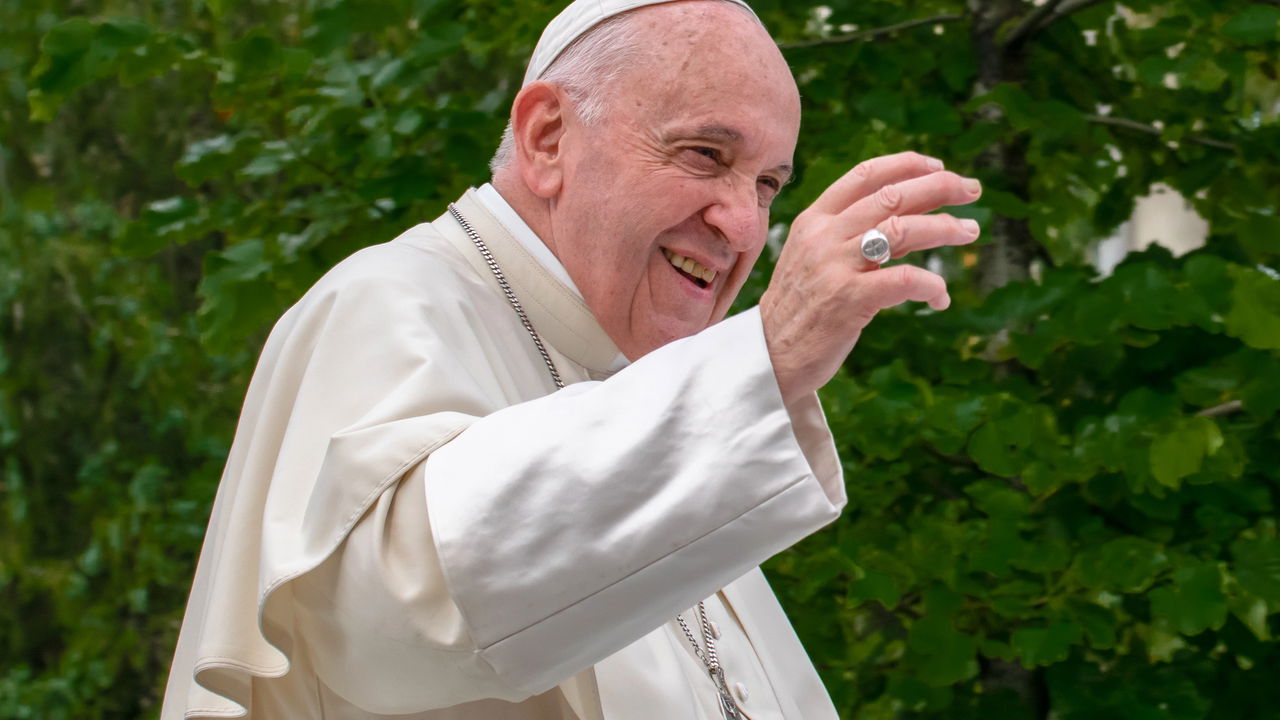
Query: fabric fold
{"points": [[696, 478]]}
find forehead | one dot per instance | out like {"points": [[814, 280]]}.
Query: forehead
{"points": [[710, 66]]}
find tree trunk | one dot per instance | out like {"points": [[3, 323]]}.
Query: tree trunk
{"points": [[1008, 256]]}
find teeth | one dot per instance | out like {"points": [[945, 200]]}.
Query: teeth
{"points": [[689, 265]]}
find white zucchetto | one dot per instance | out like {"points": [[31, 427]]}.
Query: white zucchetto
{"points": [[573, 21]]}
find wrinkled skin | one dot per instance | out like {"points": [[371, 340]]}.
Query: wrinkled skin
{"points": [[698, 140]]}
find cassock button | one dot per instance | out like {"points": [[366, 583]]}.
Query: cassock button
{"points": [[741, 692], [715, 630]]}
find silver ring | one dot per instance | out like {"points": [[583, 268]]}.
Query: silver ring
{"points": [[875, 246]]}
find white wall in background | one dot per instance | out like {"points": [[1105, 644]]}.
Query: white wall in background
{"points": [[1164, 217]]}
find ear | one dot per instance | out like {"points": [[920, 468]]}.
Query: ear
{"points": [[540, 117]]}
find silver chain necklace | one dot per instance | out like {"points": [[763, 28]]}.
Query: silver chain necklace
{"points": [[506, 290], [728, 707]]}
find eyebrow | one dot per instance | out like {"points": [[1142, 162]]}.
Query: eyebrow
{"points": [[728, 134], [719, 132]]}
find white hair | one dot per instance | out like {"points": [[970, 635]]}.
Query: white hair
{"points": [[586, 70]]}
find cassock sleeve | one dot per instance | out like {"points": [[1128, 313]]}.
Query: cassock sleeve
{"points": [[550, 534]]}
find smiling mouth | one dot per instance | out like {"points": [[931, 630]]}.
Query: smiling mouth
{"points": [[690, 268]]}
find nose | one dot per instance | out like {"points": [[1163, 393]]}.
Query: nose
{"points": [[736, 212]]}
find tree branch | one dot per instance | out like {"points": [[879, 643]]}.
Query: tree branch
{"points": [[1071, 6], [1030, 23], [1153, 130], [1226, 408], [871, 34]]}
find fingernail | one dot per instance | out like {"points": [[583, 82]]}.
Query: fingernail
{"points": [[970, 226], [934, 164], [973, 187]]}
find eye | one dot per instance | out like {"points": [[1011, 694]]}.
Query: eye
{"points": [[769, 189]]}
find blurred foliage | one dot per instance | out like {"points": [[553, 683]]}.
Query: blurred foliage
{"points": [[1062, 493]]}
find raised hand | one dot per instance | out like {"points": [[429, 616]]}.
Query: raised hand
{"points": [[823, 292]]}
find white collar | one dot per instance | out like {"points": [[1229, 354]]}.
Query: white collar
{"points": [[498, 206]]}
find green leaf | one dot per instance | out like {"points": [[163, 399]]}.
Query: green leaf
{"points": [[1256, 562], [998, 500], [885, 106], [1181, 452], [409, 121], [1004, 203], [1098, 623], [934, 116], [235, 293], [387, 73], [1256, 24], [1163, 642], [1255, 309], [1252, 612], [939, 654], [275, 156], [1260, 234], [295, 62], [819, 569], [1045, 554], [978, 137], [1016, 599], [1194, 602], [256, 53], [210, 158], [993, 452], [1019, 108], [71, 37], [122, 32], [162, 222], [1126, 564], [1046, 646], [875, 586]]}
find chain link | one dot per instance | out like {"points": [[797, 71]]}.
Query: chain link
{"points": [[709, 658], [506, 290]]}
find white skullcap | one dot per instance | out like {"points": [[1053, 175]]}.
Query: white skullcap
{"points": [[573, 21]]}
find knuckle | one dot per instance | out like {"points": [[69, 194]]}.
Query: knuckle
{"points": [[889, 197], [801, 224], [895, 228], [804, 223], [864, 169]]}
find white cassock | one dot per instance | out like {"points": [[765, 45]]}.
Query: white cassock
{"points": [[414, 523]]}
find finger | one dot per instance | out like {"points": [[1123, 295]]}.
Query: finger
{"points": [[869, 176], [915, 196], [923, 232], [887, 287]]}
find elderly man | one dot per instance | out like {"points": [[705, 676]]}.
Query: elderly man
{"points": [[511, 464]]}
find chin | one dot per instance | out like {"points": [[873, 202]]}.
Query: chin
{"points": [[671, 333]]}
